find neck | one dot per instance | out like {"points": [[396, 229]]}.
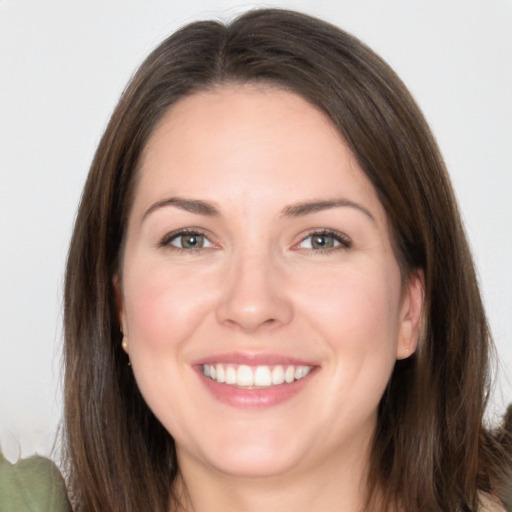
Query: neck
{"points": [[333, 487]]}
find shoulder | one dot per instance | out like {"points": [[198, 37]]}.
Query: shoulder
{"points": [[490, 504], [33, 484]]}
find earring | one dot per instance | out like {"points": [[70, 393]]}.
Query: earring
{"points": [[124, 344]]}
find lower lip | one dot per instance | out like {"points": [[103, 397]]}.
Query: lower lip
{"points": [[246, 398]]}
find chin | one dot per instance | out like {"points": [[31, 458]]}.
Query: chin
{"points": [[255, 465], [248, 453]]}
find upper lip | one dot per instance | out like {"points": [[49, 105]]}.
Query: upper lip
{"points": [[253, 359]]}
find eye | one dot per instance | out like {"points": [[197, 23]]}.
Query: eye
{"points": [[324, 241], [188, 240]]}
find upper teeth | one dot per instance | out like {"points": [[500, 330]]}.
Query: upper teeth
{"points": [[258, 376]]}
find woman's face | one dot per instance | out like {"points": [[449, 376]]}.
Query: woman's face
{"points": [[260, 297]]}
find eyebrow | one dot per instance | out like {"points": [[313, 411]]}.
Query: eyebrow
{"points": [[189, 205], [300, 209], [208, 209]]}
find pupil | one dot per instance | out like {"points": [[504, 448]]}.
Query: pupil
{"points": [[322, 242], [191, 241]]}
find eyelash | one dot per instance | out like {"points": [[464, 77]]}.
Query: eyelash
{"points": [[341, 239]]}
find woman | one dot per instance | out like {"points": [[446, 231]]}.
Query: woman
{"points": [[270, 302]]}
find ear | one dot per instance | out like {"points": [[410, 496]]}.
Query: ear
{"points": [[411, 315], [118, 289]]}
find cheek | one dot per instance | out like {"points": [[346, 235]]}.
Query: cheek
{"points": [[161, 318], [362, 333], [358, 308], [357, 315], [163, 307]]}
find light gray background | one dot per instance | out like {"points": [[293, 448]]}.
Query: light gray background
{"points": [[63, 66]]}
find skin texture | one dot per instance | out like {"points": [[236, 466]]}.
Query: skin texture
{"points": [[258, 287]]}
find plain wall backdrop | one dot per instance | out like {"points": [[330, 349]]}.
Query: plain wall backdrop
{"points": [[63, 66]]}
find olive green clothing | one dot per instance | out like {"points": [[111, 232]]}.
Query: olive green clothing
{"points": [[32, 485]]}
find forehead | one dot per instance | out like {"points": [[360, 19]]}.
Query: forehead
{"points": [[253, 142], [250, 113]]}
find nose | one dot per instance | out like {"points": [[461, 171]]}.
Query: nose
{"points": [[254, 295]]}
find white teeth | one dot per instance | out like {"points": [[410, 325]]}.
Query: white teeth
{"points": [[221, 374], [289, 374], [255, 376], [300, 372], [230, 375], [262, 376], [244, 376], [277, 375]]}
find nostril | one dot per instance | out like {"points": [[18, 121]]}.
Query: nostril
{"points": [[250, 324]]}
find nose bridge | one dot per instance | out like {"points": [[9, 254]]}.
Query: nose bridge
{"points": [[253, 292]]}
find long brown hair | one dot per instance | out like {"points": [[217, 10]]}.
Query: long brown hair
{"points": [[430, 450]]}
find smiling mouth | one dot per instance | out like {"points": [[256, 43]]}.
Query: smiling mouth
{"points": [[255, 377]]}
